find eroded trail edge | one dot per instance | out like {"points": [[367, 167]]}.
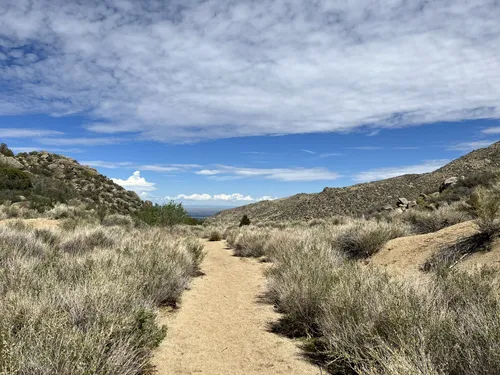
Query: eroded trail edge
{"points": [[221, 328]]}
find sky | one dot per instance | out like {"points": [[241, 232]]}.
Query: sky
{"points": [[233, 102]]}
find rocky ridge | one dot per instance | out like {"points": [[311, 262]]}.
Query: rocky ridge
{"points": [[367, 197], [49, 172]]}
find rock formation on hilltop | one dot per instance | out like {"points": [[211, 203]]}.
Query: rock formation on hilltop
{"points": [[42, 179]]}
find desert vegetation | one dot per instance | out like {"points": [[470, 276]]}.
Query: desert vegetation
{"points": [[357, 319], [84, 301]]}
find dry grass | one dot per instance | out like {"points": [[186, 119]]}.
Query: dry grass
{"points": [[359, 320], [84, 302], [251, 243], [425, 221]]}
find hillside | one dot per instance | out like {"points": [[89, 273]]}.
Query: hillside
{"points": [[39, 180], [366, 197]]}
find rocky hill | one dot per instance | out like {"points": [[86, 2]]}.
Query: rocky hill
{"points": [[367, 197], [41, 179]]}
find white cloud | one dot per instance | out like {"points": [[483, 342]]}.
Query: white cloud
{"points": [[469, 146], [207, 172], [235, 197], [184, 70], [147, 167], [26, 133], [308, 151], [366, 148], [279, 174], [49, 149], [79, 141], [383, 173], [492, 130], [328, 154], [108, 164], [136, 183]]}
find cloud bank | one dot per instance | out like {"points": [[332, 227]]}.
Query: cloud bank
{"points": [[183, 71], [235, 197]]}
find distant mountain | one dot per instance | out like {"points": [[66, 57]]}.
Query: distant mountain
{"points": [[202, 212], [42, 179], [366, 197]]}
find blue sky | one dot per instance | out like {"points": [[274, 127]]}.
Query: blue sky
{"points": [[226, 103]]}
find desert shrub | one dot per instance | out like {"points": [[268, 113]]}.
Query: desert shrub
{"points": [[300, 279], [85, 240], [94, 312], [244, 221], [364, 238], [195, 249], [53, 190], [232, 236], [6, 151], [163, 215], [359, 320], [118, 220], [370, 321], [484, 204], [425, 221], [251, 243], [215, 235], [14, 179]]}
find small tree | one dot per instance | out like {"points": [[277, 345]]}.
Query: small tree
{"points": [[244, 221], [4, 150]]}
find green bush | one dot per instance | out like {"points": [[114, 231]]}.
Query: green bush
{"points": [[5, 151], [163, 215], [484, 204], [14, 179], [244, 221]]}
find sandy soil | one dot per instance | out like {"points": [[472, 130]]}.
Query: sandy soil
{"points": [[36, 223], [221, 327], [404, 256]]}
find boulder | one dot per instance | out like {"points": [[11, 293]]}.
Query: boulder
{"points": [[448, 183], [387, 207], [402, 202], [412, 204], [399, 210], [10, 162]]}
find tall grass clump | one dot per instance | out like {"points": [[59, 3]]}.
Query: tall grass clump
{"points": [[360, 320], [426, 221], [85, 302], [251, 243], [300, 279], [364, 238], [372, 324], [484, 206]]}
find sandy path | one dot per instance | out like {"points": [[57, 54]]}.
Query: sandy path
{"points": [[221, 328]]}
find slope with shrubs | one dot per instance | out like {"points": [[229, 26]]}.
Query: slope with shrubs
{"points": [[40, 180], [370, 197], [84, 301], [357, 319]]}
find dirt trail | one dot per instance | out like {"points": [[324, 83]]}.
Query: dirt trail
{"points": [[221, 328]]}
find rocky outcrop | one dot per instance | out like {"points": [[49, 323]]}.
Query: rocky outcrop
{"points": [[449, 182], [50, 171]]}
